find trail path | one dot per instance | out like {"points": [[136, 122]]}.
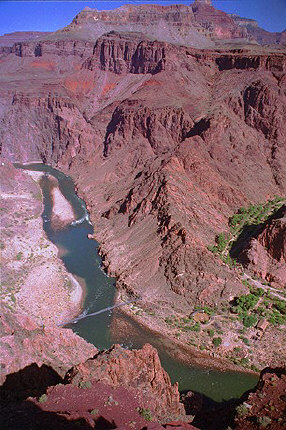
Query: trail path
{"points": [[258, 284]]}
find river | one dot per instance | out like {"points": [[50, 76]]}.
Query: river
{"points": [[80, 257]]}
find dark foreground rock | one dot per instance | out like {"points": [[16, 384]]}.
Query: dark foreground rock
{"points": [[140, 371], [265, 407]]}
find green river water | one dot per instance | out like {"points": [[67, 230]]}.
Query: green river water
{"points": [[80, 257]]}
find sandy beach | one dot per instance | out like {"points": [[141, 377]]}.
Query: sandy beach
{"points": [[62, 210], [35, 280], [35, 175]]}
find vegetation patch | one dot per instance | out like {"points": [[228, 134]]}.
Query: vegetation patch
{"points": [[19, 256], [43, 398], [185, 323], [264, 421], [85, 384], [241, 410], [145, 413], [217, 341], [259, 304], [250, 216]]}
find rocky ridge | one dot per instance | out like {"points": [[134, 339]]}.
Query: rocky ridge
{"points": [[137, 370]]}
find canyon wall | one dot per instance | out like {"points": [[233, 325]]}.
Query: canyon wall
{"points": [[165, 140], [161, 174]]}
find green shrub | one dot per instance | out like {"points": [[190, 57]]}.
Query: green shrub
{"points": [[222, 241], [209, 311], [235, 220], [19, 256], [241, 410], [211, 332], [196, 327], [260, 310], [280, 305], [145, 413], [244, 361], [259, 292], [276, 318], [217, 341], [245, 340], [231, 262], [43, 398], [250, 321], [264, 421], [254, 368], [85, 384], [168, 321], [247, 301], [246, 283], [213, 249]]}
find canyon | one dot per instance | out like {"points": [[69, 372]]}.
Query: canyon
{"points": [[170, 120]]}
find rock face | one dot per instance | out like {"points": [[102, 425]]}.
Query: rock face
{"points": [[139, 371], [173, 24], [8, 40], [116, 386], [163, 140], [122, 53], [260, 35], [24, 343], [265, 406], [266, 253], [219, 24]]}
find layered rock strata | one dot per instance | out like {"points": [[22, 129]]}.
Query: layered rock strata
{"points": [[165, 142]]}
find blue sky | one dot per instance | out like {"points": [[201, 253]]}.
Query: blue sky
{"points": [[52, 15]]}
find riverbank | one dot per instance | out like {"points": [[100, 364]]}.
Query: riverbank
{"points": [[80, 258], [245, 350], [177, 348], [34, 279]]}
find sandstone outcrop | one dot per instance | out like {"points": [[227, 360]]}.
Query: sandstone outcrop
{"points": [[139, 371], [150, 20], [20, 36], [219, 24], [121, 53], [115, 386], [24, 343]]}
